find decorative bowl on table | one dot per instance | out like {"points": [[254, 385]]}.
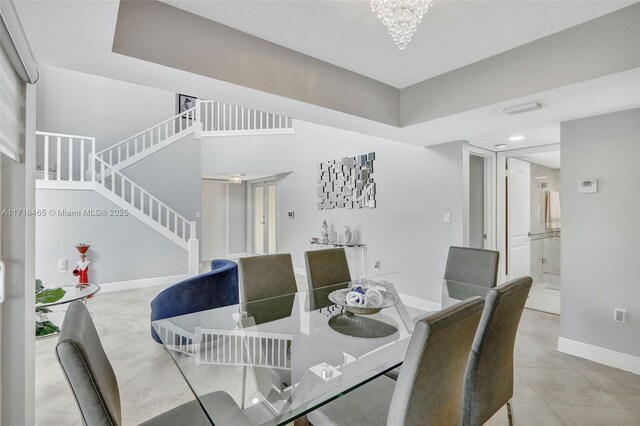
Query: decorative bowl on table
{"points": [[363, 300]]}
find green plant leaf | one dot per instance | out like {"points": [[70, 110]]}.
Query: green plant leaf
{"points": [[39, 286], [42, 310], [50, 295], [46, 327]]}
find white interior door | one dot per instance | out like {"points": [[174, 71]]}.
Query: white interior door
{"points": [[518, 218], [264, 218]]}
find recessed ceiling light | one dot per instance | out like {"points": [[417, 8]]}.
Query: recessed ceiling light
{"points": [[516, 138], [501, 146], [520, 108]]}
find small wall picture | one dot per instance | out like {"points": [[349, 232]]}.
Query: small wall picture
{"points": [[185, 103]]}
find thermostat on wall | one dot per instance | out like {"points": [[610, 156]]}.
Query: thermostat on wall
{"points": [[588, 186]]}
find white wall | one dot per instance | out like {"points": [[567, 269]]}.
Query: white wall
{"points": [[122, 248], [601, 231], [266, 155], [215, 219], [224, 219], [88, 105], [172, 175], [415, 187], [238, 218]]}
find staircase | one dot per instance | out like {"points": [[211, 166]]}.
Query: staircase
{"points": [[71, 162], [206, 119]]}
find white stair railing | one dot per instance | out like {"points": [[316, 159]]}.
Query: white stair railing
{"points": [[219, 119], [243, 347], [176, 338], [116, 186], [153, 138], [228, 347], [65, 159], [207, 118], [61, 157]]}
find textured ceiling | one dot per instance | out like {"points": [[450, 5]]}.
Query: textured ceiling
{"points": [[452, 34]]}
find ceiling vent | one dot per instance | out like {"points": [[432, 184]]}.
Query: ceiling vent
{"points": [[520, 108]]}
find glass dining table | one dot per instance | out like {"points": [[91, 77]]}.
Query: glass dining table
{"points": [[283, 357]]}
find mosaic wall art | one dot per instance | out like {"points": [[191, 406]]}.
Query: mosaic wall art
{"points": [[347, 183]]}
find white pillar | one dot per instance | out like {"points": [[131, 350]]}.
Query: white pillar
{"points": [[18, 253], [194, 257]]}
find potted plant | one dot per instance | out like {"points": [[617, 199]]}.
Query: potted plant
{"points": [[45, 327]]}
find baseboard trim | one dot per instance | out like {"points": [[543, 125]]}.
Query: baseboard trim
{"points": [[422, 304], [142, 283], [600, 355]]}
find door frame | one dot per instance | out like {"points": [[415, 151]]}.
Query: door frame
{"points": [[250, 205], [501, 206], [489, 196]]}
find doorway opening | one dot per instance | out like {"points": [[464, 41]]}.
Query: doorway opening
{"points": [[477, 229], [532, 223], [264, 200], [480, 226]]}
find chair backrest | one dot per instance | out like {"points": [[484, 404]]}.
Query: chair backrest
{"points": [[489, 376], [266, 276], [473, 266], [87, 369], [326, 267], [429, 387], [213, 289], [220, 264]]}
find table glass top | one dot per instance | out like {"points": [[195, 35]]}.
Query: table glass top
{"points": [[282, 357], [72, 293]]}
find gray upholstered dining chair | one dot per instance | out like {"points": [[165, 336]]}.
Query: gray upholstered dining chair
{"points": [[472, 266], [95, 388], [266, 276], [326, 267], [429, 388], [488, 383]]}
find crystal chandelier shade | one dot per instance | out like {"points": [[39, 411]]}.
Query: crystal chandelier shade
{"points": [[401, 17]]}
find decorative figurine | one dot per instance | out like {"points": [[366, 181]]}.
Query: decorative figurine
{"points": [[348, 235], [325, 232], [82, 269]]}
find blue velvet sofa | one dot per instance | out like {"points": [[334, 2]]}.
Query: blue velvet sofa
{"points": [[214, 289]]}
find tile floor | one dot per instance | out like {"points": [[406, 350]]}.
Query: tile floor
{"points": [[545, 298], [551, 388]]}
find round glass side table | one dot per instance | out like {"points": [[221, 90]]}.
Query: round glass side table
{"points": [[72, 294]]}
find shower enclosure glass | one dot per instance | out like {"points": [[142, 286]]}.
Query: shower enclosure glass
{"points": [[545, 234]]}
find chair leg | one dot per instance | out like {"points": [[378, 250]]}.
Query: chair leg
{"points": [[510, 412]]}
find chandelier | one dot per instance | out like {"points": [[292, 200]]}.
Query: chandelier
{"points": [[401, 17]]}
